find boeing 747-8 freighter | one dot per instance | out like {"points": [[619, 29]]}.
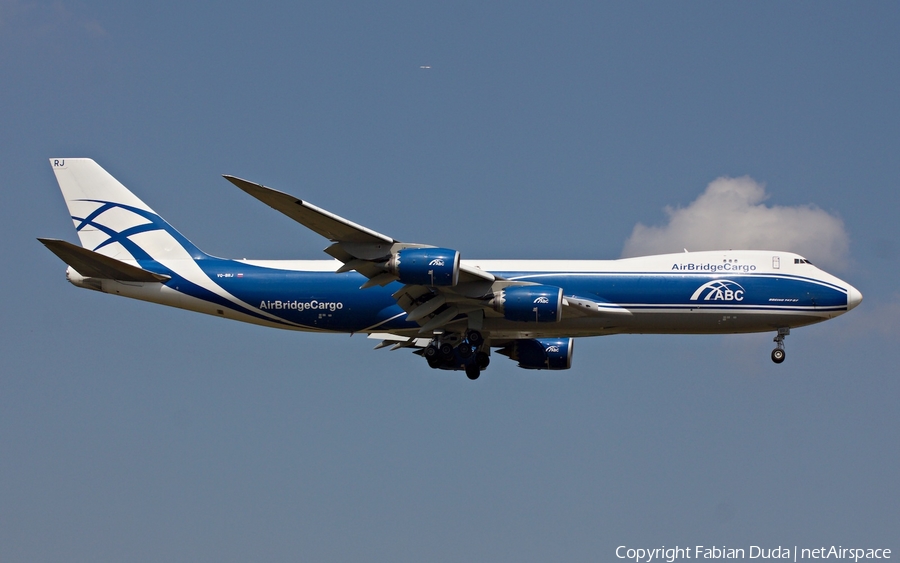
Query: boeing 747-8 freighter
{"points": [[451, 311]]}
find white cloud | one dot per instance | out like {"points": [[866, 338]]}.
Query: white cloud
{"points": [[731, 214]]}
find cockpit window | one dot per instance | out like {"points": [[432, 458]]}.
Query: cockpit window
{"points": [[802, 261]]}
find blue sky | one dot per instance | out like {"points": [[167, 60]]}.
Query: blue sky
{"points": [[134, 432]]}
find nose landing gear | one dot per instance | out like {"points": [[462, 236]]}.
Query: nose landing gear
{"points": [[778, 353]]}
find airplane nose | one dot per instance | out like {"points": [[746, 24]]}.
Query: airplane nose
{"points": [[853, 297]]}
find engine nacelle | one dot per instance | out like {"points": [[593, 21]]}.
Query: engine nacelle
{"points": [[426, 266], [541, 353], [529, 303]]}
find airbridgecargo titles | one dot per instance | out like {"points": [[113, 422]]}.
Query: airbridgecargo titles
{"points": [[725, 267], [301, 305], [454, 313]]}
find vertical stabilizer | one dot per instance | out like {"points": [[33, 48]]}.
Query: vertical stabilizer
{"points": [[113, 221]]}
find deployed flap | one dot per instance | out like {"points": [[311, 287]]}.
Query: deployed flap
{"points": [[326, 224], [592, 306], [470, 273], [92, 264], [396, 341]]}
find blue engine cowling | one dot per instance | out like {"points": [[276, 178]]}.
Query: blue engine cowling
{"points": [[426, 266], [541, 353], [530, 303]]}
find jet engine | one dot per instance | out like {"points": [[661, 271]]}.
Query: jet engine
{"points": [[541, 353], [529, 303], [426, 266]]}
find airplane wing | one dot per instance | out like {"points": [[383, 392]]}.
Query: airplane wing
{"points": [[356, 246], [371, 254], [326, 224]]}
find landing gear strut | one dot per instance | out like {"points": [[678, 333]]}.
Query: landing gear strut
{"points": [[778, 353]]}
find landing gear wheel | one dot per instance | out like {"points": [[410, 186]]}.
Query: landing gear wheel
{"points": [[431, 352], [482, 360], [446, 350], [434, 362], [465, 350], [474, 337], [472, 372], [778, 352]]}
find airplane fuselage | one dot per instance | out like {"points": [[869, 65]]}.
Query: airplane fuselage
{"points": [[691, 293]]}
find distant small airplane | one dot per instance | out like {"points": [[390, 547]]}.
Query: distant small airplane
{"points": [[407, 295]]}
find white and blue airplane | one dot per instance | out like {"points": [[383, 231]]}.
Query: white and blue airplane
{"points": [[453, 312]]}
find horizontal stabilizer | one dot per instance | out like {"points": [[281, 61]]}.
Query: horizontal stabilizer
{"points": [[92, 264]]}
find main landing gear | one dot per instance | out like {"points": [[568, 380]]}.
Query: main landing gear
{"points": [[778, 353], [458, 351]]}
